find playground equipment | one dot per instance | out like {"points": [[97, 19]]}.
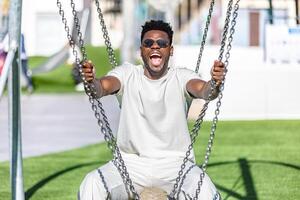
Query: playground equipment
{"points": [[11, 70], [100, 115]]}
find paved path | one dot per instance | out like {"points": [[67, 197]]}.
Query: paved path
{"points": [[53, 123]]}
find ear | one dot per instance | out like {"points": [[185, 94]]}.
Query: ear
{"points": [[171, 50]]}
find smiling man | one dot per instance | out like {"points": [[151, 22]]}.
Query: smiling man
{"points": [[153, 135]]}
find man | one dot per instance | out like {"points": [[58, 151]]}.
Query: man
{"points": [[25, 70], [4, 46], [3, 55], [153, 136]]}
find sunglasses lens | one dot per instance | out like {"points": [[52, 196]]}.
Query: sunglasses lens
{"points": [[148, 43], [162, 43]]}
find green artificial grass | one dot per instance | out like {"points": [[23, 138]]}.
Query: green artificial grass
{"points": [[255, 159], [56, 176], [60, 79], [251, 160]]}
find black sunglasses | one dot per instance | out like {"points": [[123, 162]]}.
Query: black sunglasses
{"points": [[160, 42]]}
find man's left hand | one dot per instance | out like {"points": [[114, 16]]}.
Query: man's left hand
{"points": [[218, 72]]}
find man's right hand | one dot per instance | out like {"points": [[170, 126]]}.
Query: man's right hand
{"points": [[88, 70], [106, 85]]}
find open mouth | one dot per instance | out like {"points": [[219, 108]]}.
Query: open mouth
{"points": [[155, 59]]}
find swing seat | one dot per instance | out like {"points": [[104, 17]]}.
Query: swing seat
{"points": [[153, 193]]}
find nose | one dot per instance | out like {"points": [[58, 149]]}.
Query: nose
{"points": [[155, 45]]}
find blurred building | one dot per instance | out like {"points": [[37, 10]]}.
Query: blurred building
{"points": [[256, 14], [266, 43], [43, 28], [4, 6]]}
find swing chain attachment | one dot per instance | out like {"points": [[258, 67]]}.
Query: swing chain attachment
{"points": [[97, 106]]}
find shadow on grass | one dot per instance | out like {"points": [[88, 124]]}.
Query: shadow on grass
{"points": [[243, 163], [247, 177], [30, 192]]}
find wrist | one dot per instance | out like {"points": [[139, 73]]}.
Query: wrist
{"points": [[97, 92], [212, 90]]}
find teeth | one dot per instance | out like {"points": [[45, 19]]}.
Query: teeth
{"points": [[155, 54]]}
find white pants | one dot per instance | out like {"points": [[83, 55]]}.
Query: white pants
{"points": [[92, 187]]}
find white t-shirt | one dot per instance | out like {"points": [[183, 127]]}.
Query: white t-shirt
{"points": [[153, 123]]}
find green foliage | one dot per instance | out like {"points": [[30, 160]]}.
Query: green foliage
{"points": [[253, 160], [60, 80]]}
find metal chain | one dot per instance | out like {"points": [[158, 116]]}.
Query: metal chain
{"points": [[198, 123], [104, 184], [202, 113], [97, 106], [223, 44], [118, 161], [215, 120], [225, 29], [109, 49], [203, 41], [217, 196], [194, 134], [183, 178], [220, 96]]}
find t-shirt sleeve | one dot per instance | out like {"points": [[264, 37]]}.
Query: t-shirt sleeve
{"points": [[185, 75], [121, 73]]}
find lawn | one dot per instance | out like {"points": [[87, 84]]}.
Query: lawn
{"points": [[257, 160], [60, 80]]}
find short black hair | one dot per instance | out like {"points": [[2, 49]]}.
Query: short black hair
{"points": [[157, 25]]}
